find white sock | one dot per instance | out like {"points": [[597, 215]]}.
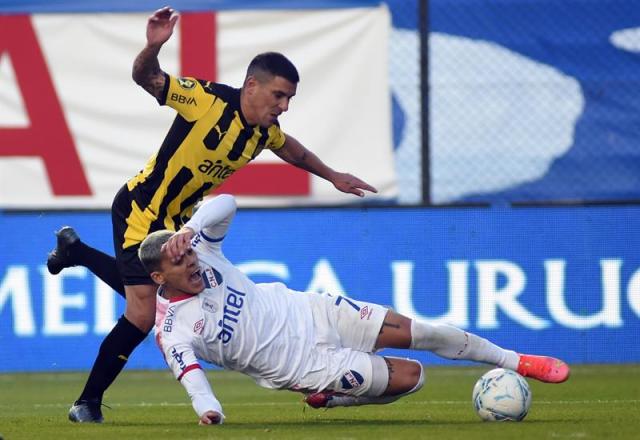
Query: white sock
{"points": [[451, 342]]}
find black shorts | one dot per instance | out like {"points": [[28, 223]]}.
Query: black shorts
{"points": [[129, 265]]}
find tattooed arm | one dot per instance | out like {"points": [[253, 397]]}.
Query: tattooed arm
{"points": [[146, 68]]}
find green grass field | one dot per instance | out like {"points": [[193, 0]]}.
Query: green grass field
{"points": [[598, 402]]}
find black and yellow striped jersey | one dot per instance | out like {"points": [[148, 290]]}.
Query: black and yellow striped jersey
{"points": [[208, 141]]}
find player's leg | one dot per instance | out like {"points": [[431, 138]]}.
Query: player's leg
{"points": [[398, 331], [391, 378], [71, 251], [129, 331]]}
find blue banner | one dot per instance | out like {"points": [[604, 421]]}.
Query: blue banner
{"points": [[591, 152], [559, 281]]}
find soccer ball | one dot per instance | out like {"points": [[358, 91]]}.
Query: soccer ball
{"points": [[501, 395]]}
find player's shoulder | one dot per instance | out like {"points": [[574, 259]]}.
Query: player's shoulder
{"points": [[223, 91]]}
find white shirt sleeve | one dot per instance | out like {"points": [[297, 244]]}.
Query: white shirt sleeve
{"points": [[199, 390], [184, 364], [213, 217]]}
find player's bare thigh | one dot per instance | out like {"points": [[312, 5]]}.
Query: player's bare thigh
{"points": [[141, 305], [395, 331]]}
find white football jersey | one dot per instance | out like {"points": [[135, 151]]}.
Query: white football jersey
{"points": [[262, 330]]}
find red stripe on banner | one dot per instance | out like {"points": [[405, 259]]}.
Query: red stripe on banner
{"points": [[48, 135], [198, 58], [268, 179], [198, 53]]}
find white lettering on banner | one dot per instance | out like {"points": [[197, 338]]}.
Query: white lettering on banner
{"points": [[608, 316], [499, 285], [325, 279], [55, 302], [633, 292], [264, 267], [491, 298], [105, 308], [15, 286], [458, 313]]}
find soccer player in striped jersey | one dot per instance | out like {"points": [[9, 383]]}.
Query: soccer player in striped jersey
{"points": [[218, 129], [322, 345]]}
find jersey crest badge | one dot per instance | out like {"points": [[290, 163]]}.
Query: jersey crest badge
{"points": [[351, 379], [186, 83], [209, 306]]}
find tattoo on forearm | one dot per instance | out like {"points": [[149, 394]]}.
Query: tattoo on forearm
{"points": [[146, 71], [388, 324]]}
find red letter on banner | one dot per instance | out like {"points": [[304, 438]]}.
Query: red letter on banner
{"points": [[198, 56], [48, 136]]}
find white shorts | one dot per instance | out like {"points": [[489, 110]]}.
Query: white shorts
{"points": [[345, 333]]}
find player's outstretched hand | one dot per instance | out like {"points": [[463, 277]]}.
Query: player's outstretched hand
{"points": [[348, 183], [178, 244], [160, 25], [210, 418]]}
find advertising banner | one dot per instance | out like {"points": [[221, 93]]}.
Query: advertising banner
{"points": [[74, 126], [560, 281]]}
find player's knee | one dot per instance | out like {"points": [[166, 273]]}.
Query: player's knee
{"points": [[144, 321], [418, 376], [140, 309], [414, 377], [407, 376]]}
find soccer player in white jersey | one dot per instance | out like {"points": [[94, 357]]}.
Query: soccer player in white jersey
{"points": [[318, 344]]}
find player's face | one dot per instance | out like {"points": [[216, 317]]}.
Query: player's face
{"points": [[268, 99], [183, 276]]}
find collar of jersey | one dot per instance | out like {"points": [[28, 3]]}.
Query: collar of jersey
{"points": [[175, 298]]}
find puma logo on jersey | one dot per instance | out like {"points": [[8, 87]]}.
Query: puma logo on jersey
{"points": [[181, 99], [220, 132]]}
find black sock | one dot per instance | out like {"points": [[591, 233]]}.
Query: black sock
{"points": [[102, 265], [113, 355]]}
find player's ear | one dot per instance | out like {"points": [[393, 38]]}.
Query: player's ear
{"points": [[250, 84], [157, 277]]}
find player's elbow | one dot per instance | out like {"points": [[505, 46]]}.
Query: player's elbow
{"points": [[229, 200], [138, 76]]}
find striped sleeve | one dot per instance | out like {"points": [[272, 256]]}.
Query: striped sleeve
{"points": [[187, 97]]}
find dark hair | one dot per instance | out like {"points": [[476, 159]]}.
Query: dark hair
{"points": [[150, 249], [272, 64]]}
